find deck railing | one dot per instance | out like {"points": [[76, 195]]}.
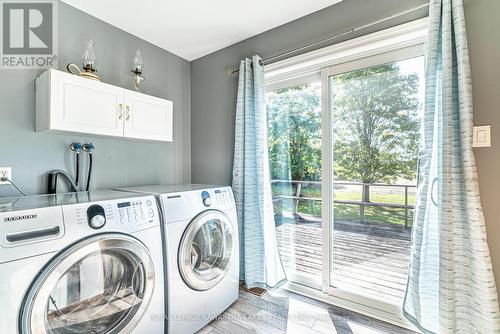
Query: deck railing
{"points": [[278, 199]]}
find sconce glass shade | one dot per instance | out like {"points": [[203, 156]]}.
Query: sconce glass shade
{"points": [[88, 58], [137, 63]]}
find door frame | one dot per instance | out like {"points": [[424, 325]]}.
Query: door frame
{"points": [[397, 43]]}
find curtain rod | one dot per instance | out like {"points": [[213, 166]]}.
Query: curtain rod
{"points": [[272, 59]]}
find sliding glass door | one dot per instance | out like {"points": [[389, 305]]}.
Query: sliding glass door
{"points": [[343, 153], [372, 107], [294, 140]]}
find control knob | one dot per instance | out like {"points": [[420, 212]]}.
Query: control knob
{"points": [[96, 216], [205, 197]]}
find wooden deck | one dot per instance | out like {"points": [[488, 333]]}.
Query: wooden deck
{"points": [[369, 259]]}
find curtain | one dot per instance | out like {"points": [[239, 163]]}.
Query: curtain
{"points": [[451, 288], [260, 265]]}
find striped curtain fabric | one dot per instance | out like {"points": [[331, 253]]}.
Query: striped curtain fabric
{"points": [[260, 265], [451, 288]]}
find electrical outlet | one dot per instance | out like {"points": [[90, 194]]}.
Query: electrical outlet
{"points": [[7, 173]]}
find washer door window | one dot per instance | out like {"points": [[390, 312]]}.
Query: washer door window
{"points": [[206, 249], [101, 285]]}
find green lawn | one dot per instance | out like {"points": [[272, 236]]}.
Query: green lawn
{"points": [[349, 211]]}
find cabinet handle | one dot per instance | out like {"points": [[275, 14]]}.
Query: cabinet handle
{"points": [[120, 115], [128, 113]]}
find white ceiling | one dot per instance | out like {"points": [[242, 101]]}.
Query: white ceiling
{"points": [[194, 28]]}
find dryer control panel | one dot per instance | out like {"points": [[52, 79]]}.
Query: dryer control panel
{"points": [[223, 196], [185, 205]]}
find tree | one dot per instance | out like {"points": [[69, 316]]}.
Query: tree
{"points": [[376, 125], [294, 132], [375, 128]]}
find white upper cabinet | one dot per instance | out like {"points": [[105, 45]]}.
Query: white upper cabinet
{"points": [[147, 117], [80, 105], [65, 102]]}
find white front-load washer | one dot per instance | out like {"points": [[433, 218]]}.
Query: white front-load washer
{"points": [[81, 263], [202, 252]]}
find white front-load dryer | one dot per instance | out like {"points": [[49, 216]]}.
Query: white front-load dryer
{"points": [[81, 263], [202, 253]]}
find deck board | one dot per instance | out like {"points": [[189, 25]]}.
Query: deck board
{"points": [[370, 259]]}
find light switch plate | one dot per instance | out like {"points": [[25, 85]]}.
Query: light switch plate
{"points": [[481, 136]]}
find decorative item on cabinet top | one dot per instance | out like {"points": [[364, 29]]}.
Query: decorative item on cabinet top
{"points": [[69, 103], [137, 69], [88, 63]]}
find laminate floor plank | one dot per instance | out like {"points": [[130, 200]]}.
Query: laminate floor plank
{"points": [[284, 312]]}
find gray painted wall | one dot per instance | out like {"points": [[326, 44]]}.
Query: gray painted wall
{"points": [[120, 162], [483, 27], [117, 162], [214, 94]]}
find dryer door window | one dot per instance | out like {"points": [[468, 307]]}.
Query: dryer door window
{"points": [[206, 249], [101, 285]]}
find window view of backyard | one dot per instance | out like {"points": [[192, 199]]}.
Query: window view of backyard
{"points": [[375, 145]]}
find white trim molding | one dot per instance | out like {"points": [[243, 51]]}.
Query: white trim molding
{"points": [[395, 318], [408, 35]]}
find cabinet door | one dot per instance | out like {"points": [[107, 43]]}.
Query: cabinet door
{"points": [[147, 117], [83, 105]]}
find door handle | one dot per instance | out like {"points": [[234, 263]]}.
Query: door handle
{"points": [[120, 107], [127, 117], [23, 236]]}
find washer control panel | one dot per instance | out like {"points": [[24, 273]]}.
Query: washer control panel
{"points": [[127, 214], [138, 211]]}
